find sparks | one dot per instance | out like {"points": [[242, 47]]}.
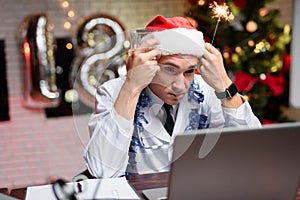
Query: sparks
{"points": [[221, 12]]}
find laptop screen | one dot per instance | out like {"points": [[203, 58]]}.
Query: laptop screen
{"points": [[259, 163]]}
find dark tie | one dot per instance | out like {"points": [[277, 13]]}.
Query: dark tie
{"points": [[169, 124]]}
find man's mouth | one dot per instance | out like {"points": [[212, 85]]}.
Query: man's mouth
{"points": [[176, 96]]}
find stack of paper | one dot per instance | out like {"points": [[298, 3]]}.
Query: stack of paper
{"points": [[112, 188]]}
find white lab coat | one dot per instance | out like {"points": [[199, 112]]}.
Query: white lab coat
{"points": [[107, 153]]}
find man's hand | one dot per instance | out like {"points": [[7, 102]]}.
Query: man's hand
{"points": [[212, 69], [213, 72], [142, 65]]}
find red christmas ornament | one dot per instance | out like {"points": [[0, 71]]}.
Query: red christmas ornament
{"points": [[240, 3], [193, 1], [207, 39], [266, 122], [227, 54], [212, 1], [286, 63]]}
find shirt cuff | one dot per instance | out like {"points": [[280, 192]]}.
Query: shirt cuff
{"points": [[241, 112], [125, 126]]}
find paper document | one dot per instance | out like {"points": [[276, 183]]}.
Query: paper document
{"points": [[110, 188]]}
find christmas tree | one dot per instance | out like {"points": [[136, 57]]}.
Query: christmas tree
{"points": [[255, 47]]}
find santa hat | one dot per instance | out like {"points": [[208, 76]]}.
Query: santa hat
{"points": [[176, 35]]}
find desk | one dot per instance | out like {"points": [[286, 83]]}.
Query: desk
{"points": [[148, 181], [138, 182]]}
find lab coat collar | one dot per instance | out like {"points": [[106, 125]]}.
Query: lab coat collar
{"points": [[155, 128]]}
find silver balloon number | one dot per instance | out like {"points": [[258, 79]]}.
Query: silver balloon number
{"points": [[40, 88], [100, 42]]}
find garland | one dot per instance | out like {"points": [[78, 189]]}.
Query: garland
{"points": [[196, 120]]}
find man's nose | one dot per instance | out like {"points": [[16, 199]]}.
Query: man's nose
{"points": [[179, 84]]}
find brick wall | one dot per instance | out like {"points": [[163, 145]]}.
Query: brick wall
{"points": [[286, 9], [32, 147]]}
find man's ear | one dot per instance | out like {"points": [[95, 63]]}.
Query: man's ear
{"points": [[197, 70]]}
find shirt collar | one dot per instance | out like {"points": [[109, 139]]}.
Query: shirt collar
{"points": [[154, 99], [157, 103]]}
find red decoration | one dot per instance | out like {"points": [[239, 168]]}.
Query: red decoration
{"points": [[245, 82], [267, 122], [193, 1], [240, 3], [212, 1], [228, 50], [207, 39], [271, 38], [286, 63]]}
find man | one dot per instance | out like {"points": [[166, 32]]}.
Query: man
{"points": [[127, 128]]}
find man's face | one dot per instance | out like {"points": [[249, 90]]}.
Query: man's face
{"points": [[174, 78]]}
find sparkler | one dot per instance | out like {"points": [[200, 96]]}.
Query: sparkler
{"points": [[220, 12]]}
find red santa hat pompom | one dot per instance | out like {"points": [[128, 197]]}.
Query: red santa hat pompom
{"points": [[176, 35]]}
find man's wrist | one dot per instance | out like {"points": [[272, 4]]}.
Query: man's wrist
{"points": [[229, 92], [131, 89]]}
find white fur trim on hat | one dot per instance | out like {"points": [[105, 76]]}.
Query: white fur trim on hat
{"points": [[179, 41]]}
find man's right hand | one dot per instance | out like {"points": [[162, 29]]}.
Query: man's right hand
{"points": [[142, 65]]}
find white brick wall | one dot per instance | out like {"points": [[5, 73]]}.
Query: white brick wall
{"points": [[32, 147], [286, 9]]}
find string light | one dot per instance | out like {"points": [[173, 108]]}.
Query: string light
{"points": [[26, 49], [226, 55], [251, 26], [71, 13], [65, 4], [262, 76], [201, 2], [238, 49], [69, 46], [263, 12], [67, 25], [251, 43], [71, 96]]}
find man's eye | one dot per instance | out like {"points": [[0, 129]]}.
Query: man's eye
{"points": [[191, 71], [170, 70]]}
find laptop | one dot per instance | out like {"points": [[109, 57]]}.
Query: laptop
{"points": [[255, 164]]}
